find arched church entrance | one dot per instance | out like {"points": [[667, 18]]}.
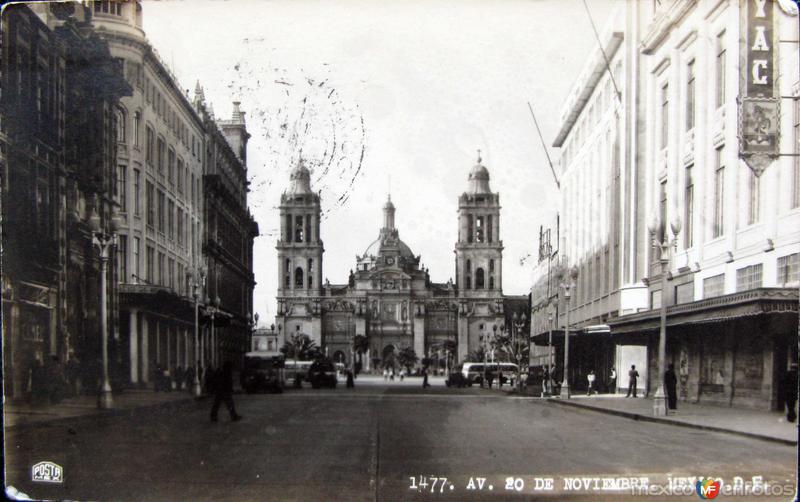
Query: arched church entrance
{"points": [[389, 359]]}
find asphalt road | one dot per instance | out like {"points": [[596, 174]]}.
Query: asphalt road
{"points": [[366, 444]]}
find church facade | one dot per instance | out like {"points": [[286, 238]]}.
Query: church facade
{"points": [[389, 297]]}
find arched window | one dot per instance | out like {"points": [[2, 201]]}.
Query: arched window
{"points": [[479, 284], [137, 124], [468, 271], [298, 228], [310, 274], [298, 278], [287, 280], [119, 119]]}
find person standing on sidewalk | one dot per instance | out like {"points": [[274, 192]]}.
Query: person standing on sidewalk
{"points": [[790, 389], [633, 375], [223, 392], [591, 378], [671, 387], [425, 383], [612, 381]]}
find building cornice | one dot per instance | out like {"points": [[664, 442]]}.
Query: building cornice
{"points": [[664, 22]]}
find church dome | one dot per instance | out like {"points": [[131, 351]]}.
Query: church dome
{"points": [[479, 178], [389, 245], [300, 179]]}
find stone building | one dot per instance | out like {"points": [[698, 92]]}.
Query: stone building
{"points": [[389, 297], [61, 88]]}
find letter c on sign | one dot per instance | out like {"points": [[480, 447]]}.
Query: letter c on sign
{"points": [[758, 65]]}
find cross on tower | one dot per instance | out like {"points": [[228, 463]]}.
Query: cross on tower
{"points": [[479, 155]]}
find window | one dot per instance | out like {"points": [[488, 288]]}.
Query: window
{"points": [[688, 209], [789, 269], [310, 272], [479, 279], [468, 273], [160, 153], [122, 258], [150, 147], [469, 228], [489, 228], [287, 281], [162, 277], [171, 219], [122, 187], [662, 212], [748, 277], [719, 193], [137, 123], [298, 278], [161, 210], [150, 264], [180, 175], [796, 164], [491, 265], [137, 179], [479, 230], [690, 95], [137, 271], [655, 299], [684, 293], [713, 286], [298, 228], [754, 201], [150, 203], [720, 69], [664, 116], [180, 226], [171, 269], [171, 166], [113, 7], [192, 188], [120, 125]]}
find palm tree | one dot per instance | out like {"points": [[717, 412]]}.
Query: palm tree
{"points": [[408, 358], [302, 348]]}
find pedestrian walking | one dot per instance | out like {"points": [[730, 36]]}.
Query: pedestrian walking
{"points": [[790, 391], [671, 387], [391, 374], [612, 381], [350, 383], [402, 374], [591, 378], [223, 392], [425, 383], [633, 375], [386, 373]]}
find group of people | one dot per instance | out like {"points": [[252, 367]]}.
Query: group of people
{"points": [[176, 379], [388, 373]]}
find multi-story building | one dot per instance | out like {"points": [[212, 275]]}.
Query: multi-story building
{"points": [[600, 159], [229, 232], [735, 266], [389, 298], [58, 182], [709, 91]]}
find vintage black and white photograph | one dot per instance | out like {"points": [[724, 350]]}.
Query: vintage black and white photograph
{"points": [[390, 250]]}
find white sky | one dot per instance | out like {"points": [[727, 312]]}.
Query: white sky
{"points": [[417, 86]]}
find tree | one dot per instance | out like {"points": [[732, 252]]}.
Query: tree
{"points": [[407, 358], [302, 348], [514, 349]]}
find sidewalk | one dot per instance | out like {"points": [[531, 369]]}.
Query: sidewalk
{"points": [[21, 414], [765, 425]]}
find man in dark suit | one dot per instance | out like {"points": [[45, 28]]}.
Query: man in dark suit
{"points": [[790, 388], [223, 391], [633, 375], [671, 387]]}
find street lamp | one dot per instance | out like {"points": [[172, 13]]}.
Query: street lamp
{"points": [[104, 242], [573, 274], [662, 250], [518, 324], [198, 281], [213, 310], [549, 382]]}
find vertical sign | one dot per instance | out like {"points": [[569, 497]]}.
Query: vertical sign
{"points": [[759, 109]]}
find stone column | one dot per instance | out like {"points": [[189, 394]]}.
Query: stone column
{"points": [[133, 339], [145, 352], [463, 337], [419, 335]]}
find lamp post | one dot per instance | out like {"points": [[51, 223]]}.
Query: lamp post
{"points": [[662, 249], [213, 310], [198, 281], [104, 241], [573, 274], [518, 325], [549, 382]]}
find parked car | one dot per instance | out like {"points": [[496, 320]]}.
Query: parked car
{"points": [[457, 379], [322, 373]]}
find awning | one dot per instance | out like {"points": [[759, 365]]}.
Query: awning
{"points": [[754, 302]]}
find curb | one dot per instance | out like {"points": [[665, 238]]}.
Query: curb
{"points": [[645, 418], [101, 414]]}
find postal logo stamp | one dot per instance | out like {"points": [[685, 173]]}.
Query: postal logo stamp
{"points": [[47, 472]]}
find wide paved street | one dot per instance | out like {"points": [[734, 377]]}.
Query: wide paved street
{"points": [[365, 444]]}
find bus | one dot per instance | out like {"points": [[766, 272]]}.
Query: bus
{"points": [[473, 372], [296, 370], [262, 371]]}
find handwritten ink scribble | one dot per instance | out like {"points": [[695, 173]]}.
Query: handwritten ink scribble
{"points": [[298, 112]]}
